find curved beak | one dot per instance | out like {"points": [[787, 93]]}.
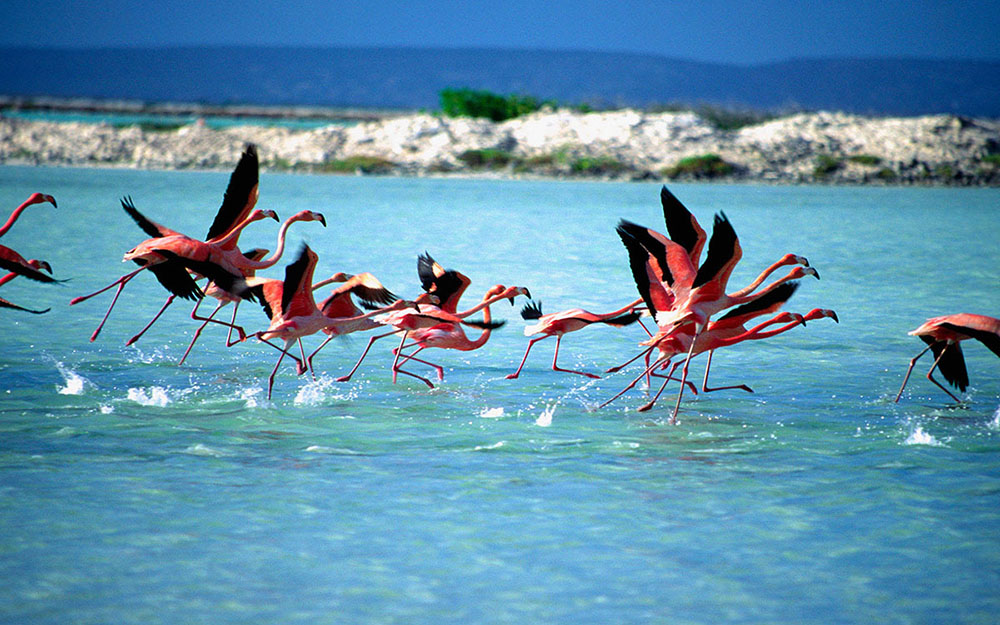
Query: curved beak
{"points": [[322, 219]]}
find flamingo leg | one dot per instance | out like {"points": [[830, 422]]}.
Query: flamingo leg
{"points": [[395, 360], [531, 343], [558, 368], [396, 368], [437, 368], [270, 379], [309, 360], [644, 328], [197, 333], [120, 281], [648, 405], [166, 304], [704, 382], [913, 361], [345, 378], [633, 382], [931, 377], [646, 352], [302, 366], [684, 373], [121, 285], [232, 326], [670, 376]]}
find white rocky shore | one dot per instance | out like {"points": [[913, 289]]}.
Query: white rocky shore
{"points": [[627, 144]]}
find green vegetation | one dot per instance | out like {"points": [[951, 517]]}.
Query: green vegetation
{"points": [[472, 103], [886, 174], [486, 159], [865, 159], [992, 159], [597, 166], [944, 172], [153, 126], [719, 117], [826, 165], [704, 166], [354, 164]]}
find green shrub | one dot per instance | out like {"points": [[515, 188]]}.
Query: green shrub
{"points": [[353, 164], [945, 172], [473, 103], [865, 159], [480, 159], [992, 159], [153, 126], [597, 166], [704, 166], [826, 165], [886, 174]]}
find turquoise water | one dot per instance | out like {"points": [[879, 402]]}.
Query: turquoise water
{"points": [[126, 119], [135, 491]]}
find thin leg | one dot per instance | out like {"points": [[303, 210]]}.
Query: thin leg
{"points": [[166, 304], [557, 368], [643, 326], [512, 376], [100, 326], [345, 378], [670, 376], [931, 377], [120, 282], [270, 380], [646, 352], [301, 367], [197, 332], [232, 326], [906, 377], [684, 373], [437, 368], [396, 368], [704, 382], [648, 405], [632, 383], [309, 360], [395, 359]]}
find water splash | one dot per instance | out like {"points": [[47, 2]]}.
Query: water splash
{"points": [[75, 382], [491, 413], [319, 391], [250, 395], [995, 423], [156, 396], [919, 437], [544, 420], [199, 449]]}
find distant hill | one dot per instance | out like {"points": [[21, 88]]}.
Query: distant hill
{"points": [[409, 78]]}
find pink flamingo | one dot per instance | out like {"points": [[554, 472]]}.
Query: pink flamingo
{"points": [[34, 198], [32, 264], [448, 335], [560, 323], [943, 336], [293, 310]]}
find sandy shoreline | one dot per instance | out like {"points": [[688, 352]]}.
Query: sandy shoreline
{"points": [[827, 148]]}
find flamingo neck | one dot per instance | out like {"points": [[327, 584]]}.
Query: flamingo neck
{"points": [[737, 298], [623, 309], [13, 217], [750, 288], [10, 276], [278, 250]]}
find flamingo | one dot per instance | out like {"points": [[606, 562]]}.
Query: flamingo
{"points": [[227, 254], [678, 293], [442, 290], [448, 335], [340, 305], [34, 198], [293, 311], [32, 264], [943, 336], [560, 323]]}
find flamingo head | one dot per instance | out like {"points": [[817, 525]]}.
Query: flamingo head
{"points": [[788, 317], [801, 272], [38, 198], [40, 264], [793, 259], [428, 299], [308, 215], [514, 291], [258, 214], [819, 313], [340, 276]]}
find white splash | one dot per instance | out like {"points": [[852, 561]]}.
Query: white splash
{"points": [[544, 420], [157, 396], [249, 395], [491, 413], [995, 423], [199, 449], [496, 445], [107, 409], [74, 381], [919, 437]]}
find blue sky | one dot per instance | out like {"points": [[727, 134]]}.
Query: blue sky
{"points": [[709, 30]]}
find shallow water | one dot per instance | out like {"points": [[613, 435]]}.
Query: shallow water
{"points": [[134, 490]]}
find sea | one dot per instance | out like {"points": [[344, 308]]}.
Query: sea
{"points": [[134, 490]]}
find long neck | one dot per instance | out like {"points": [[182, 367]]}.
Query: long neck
{"points": [[232, 237], [623, 309], [756, 333], [278, 250], [485, 336], [749, 297], [13, 217], [750, 288], [10, 276]]}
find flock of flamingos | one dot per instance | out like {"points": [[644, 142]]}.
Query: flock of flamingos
{"points": [[681, 295]]}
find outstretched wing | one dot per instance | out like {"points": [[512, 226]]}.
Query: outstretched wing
{"points": [[240, 196], [234, 284], [682, 226], [723, 253], [5, 304], [447, 284], [989, 339], [531, 311], [148, 226]]}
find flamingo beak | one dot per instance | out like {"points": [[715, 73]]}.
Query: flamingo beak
{"points": [[802, 261], [321, 219], [814, 272], [273, 215], [833, 316], [52, 200], [44, 265]]}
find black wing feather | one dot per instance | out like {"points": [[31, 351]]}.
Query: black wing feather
{"points": [[228, 282], [656, 248], [293, 278], [149, 227], [951, 362], [637, 257], [623, 320], [989, 339], [241, 184], [5, 304], [444, 286], [679, 221], [532, 311], [27, 272], [779, 294], [720, 250]]}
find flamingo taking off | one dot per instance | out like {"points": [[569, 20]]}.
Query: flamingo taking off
{"points": [[34, 198], [560, 323], [943, 336], [32, 264]]}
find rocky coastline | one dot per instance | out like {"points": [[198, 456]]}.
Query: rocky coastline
{"points": [[807, 148]]}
